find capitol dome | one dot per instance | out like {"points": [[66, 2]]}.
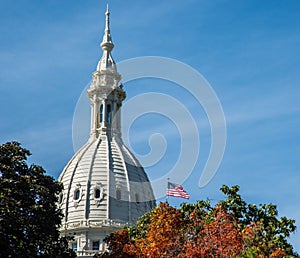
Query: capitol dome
{"points": [[105, 187]]}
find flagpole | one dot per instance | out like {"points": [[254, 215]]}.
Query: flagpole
{"points": [[168, 179]]}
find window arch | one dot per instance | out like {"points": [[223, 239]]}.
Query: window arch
{"points": [[108, 116]]}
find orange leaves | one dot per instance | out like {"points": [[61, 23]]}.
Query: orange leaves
{"points": [[211, 233], [219, 236], [278, 253], [231, 228], [164, 234], [170, 234]]}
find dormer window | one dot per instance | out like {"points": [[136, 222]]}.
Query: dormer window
{"points": [[76, 194], [97, 193]]}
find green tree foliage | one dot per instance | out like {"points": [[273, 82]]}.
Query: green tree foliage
{"points": [[230, 228], [270, 232], [29, 217]]}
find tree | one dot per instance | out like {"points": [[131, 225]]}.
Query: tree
{"points": [[269, 233], [29, 216], [230, 228], [164, 236], [120, 245], [218, 236]]}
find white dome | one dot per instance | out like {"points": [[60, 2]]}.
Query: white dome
{"points": [[105, 187], [104, 182]]}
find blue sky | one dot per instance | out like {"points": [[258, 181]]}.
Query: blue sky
{"points": [[247, 50]]}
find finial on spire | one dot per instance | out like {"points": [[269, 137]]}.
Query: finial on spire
{"points": [[107, 41], [107, 9], [107, 13], [107, 62]]}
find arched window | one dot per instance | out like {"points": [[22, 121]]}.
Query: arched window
{"points": [[108, 117], [97, 193], [76, 194], [137, 198], [101, 113], [118, 194]]}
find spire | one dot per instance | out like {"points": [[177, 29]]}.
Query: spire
{"points": [[107, 62], [105, 93], [107, 13], [107, 41]]}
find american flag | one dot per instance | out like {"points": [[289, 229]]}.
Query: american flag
{"points": [[177, 190]]}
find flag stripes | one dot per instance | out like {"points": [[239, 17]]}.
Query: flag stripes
{"points": [[177, 190]]}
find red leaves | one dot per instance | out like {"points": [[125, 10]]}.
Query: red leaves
{"points": [[229, 229], [172, 235], [120, 245], [219, 237], [202, 234], [208, 234]]}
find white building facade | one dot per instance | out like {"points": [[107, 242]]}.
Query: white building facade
{"points": [[105, 187]]}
